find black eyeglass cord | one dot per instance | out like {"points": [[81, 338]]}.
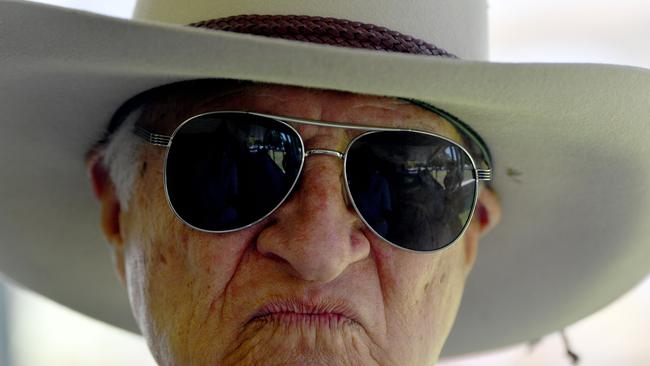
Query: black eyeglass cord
{"points": [[575, 359]]}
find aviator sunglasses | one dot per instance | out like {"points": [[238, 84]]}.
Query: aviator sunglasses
{"points": [[228, 170]]}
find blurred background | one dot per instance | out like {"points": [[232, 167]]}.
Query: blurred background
{"points": [[35, 331]]}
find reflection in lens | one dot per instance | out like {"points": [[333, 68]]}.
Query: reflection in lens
{"points": [[228, 170], [413, 189]]}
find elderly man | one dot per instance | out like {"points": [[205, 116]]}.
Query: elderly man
{"points": [[308, 282], [277, 202]]}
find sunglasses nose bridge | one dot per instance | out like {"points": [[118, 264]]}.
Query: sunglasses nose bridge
{"points": [[327, 152]]}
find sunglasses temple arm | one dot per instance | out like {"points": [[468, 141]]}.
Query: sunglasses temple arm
{"points": [[152, 138], [484, 175]]}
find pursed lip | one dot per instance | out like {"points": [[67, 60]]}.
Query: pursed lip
{"points": [[294, 309]]}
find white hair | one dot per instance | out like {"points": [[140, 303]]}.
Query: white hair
{"points": [[121, 156]]}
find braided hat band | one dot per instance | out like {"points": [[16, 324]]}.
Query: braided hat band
{"points": [[322, 30]]}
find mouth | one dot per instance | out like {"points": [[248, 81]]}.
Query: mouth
{"points": [[294, 311]]}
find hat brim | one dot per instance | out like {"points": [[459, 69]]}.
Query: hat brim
{"points": [[569, 141]]}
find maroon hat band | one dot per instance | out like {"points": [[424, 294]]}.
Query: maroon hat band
{"points": [[329, 31]]}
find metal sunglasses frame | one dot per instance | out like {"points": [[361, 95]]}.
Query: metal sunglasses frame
{"points": [[166, 141]]}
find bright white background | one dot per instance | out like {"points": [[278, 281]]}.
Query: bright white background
{"points": [[43, 333]]}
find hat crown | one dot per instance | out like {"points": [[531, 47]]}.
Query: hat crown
{"points": [[458, 26]]}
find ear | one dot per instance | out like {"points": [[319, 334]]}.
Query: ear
{"points": [[486, 217], [104, 190]]}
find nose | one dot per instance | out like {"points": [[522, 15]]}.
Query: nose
{"points": [[315, 232]]}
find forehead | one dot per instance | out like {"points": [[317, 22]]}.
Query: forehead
{"points": [[169, 109]]}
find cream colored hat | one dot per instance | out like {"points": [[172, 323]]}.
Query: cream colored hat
{"points": [[569, 141]]}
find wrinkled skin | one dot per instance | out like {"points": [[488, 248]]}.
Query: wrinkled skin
{"points": [[194, 294]]}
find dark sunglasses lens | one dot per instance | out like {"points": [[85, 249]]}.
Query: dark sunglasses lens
{"points": [[413, 189], [225, 171]]}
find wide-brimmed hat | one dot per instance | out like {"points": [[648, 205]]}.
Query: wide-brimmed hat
{"points": [[569, 142]]}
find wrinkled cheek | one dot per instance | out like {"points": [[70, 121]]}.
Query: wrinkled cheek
{"points": [[440, 302], [160, 295], [422, 299], [177, 293], [159, 286]]}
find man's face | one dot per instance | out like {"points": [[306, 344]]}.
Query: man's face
{"points": [[308, 285]]}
